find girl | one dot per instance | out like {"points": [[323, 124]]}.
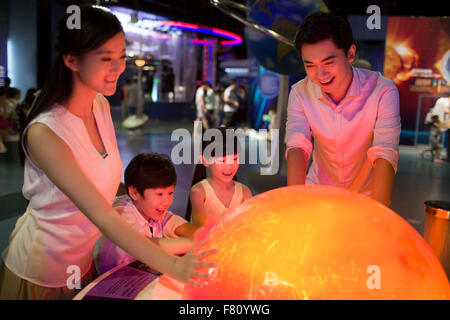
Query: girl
{"points": [[73, 170], [212, 197]]}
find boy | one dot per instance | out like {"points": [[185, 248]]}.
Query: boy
{"points": [[150, 182], [352, 113]]}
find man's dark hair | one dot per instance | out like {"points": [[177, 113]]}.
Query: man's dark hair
{"points": [[149, 171], [319, 26]]}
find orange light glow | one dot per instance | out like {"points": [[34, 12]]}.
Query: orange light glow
{"points": [[318, 242], [140, 62], [400, 61]]}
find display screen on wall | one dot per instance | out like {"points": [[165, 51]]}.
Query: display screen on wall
{"points": [[417, 59]]}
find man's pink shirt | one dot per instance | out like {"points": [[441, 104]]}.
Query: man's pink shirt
{"points": [[348, 137]]}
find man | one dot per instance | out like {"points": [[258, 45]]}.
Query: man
{"points": [[210, 100], [243, 106], [442, 110], [231, 104], [352, 113], [132, 95], [200, 103], [167, 83], [124, 102]]}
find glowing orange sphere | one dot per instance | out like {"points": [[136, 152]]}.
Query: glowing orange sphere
{"points": [[317, 242]]}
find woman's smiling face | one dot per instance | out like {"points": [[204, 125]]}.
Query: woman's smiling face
{"points": [[100, 69]]}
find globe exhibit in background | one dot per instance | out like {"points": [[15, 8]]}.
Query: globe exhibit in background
{"points": [[283, 17]]}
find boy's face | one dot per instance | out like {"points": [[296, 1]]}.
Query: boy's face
{"points": [[329, 67], [154, 202]]}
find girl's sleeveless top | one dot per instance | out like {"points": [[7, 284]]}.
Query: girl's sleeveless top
{"points": [[52, 243], [213, 206]]}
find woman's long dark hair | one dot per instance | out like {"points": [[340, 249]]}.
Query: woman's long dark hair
{"points": [[97, 26], [200, 169]]}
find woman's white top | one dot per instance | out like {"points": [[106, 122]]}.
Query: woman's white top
{"points": [[53, 242]]}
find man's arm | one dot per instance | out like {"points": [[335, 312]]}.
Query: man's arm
{"points": [[227, 99], [383, 180], [447, 109], [384, 152], [297, 163], [443, 125], [298, 143]]}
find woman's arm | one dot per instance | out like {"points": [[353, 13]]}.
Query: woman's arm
{"points": [[174, 246], [55, 158]]}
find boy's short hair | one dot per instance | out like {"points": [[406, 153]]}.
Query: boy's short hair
{"points": [[320, 26], [150, 171]]}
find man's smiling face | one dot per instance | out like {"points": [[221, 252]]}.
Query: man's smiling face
{"points": [[329, 67]]}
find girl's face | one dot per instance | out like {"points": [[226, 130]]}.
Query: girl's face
{"points": [[100, 69], [225, 168]]}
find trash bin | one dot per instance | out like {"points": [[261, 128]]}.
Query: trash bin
{"points": [[437, 230]]}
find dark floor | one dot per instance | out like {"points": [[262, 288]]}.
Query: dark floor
{"points": [[417, 179]]}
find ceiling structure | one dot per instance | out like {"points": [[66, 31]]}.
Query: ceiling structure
{"points": [[203, 13], [387, 7]]}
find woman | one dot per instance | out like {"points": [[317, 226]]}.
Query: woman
{"points": [[73, 170]]}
